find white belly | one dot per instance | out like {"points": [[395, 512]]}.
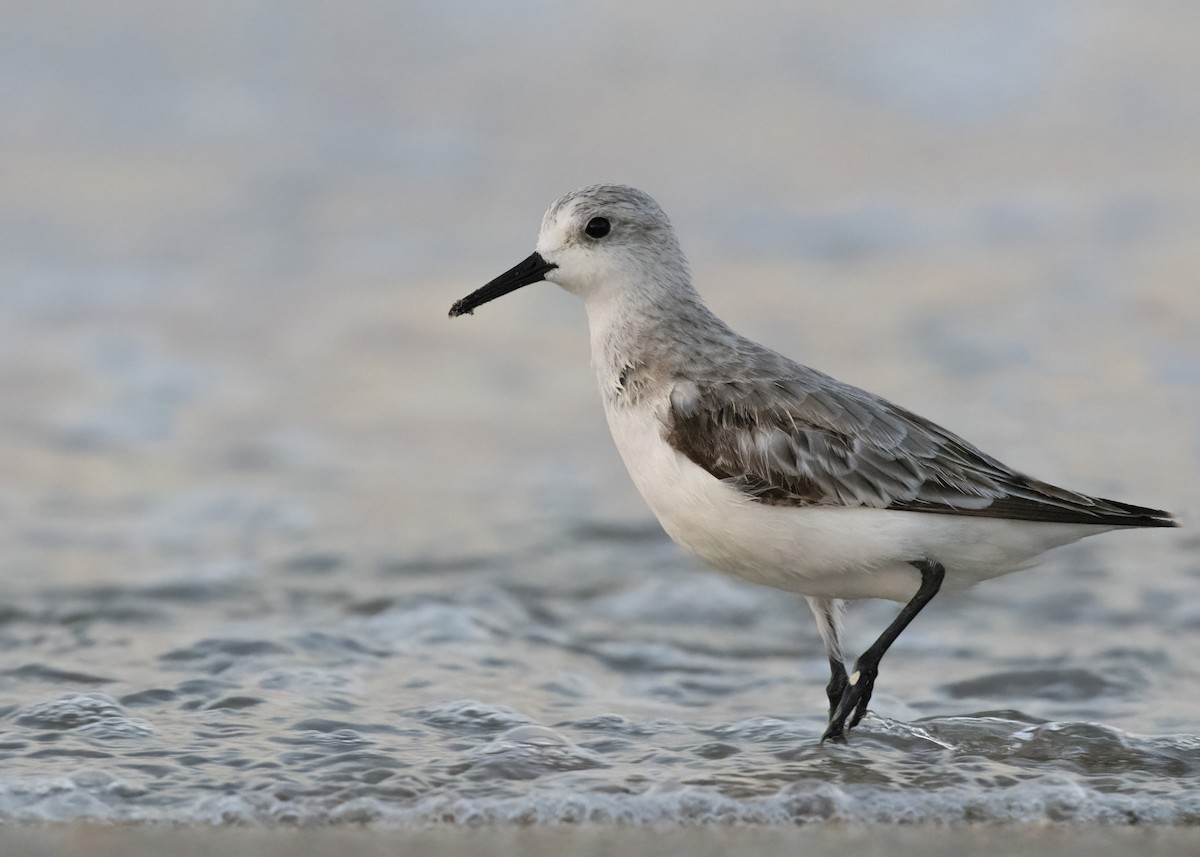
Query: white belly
{"points": [[817, 550]]}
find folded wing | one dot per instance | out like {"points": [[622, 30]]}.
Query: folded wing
{"points": [[808, 440]]}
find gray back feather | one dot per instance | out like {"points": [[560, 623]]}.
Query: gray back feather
{"points": [[789, 435]]}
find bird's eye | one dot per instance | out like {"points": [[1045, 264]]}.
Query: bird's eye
{"points": [[597, 227]]}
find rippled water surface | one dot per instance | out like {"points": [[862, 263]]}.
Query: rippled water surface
{"points": [[282, 543], [628, 702]]}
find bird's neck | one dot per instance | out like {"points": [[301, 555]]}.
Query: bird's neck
{"points": [[647, 331]]}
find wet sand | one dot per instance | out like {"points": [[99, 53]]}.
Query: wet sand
{"points": [[105, 841]]}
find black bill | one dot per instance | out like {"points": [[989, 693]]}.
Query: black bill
{"points": [[532, 270]]}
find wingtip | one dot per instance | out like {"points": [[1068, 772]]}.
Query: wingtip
{"points": [[1168, 520], [1140, 516]]}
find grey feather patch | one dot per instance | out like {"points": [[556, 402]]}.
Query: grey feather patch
{"points": [[808, 440]]}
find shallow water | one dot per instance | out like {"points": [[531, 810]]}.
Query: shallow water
{"points": [[284, 544], [309, 694]]}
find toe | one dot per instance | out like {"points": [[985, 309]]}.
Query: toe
{"points": [[834, 736]]}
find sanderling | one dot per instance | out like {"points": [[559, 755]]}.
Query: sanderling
{"points": [[777, 473]]}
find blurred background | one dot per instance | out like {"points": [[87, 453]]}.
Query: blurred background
{"points": [[233, 407]]}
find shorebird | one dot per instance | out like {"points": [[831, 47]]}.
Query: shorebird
{"points": [[777, 473]]}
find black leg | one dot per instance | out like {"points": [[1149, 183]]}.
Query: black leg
{"points": [[827, 612], [857, 691], [834, 690], [837, 684]]}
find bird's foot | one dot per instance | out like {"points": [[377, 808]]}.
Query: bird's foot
{"points": [[853, 703]]}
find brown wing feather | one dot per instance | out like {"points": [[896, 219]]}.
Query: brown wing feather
{"points": [[811, 441]]}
